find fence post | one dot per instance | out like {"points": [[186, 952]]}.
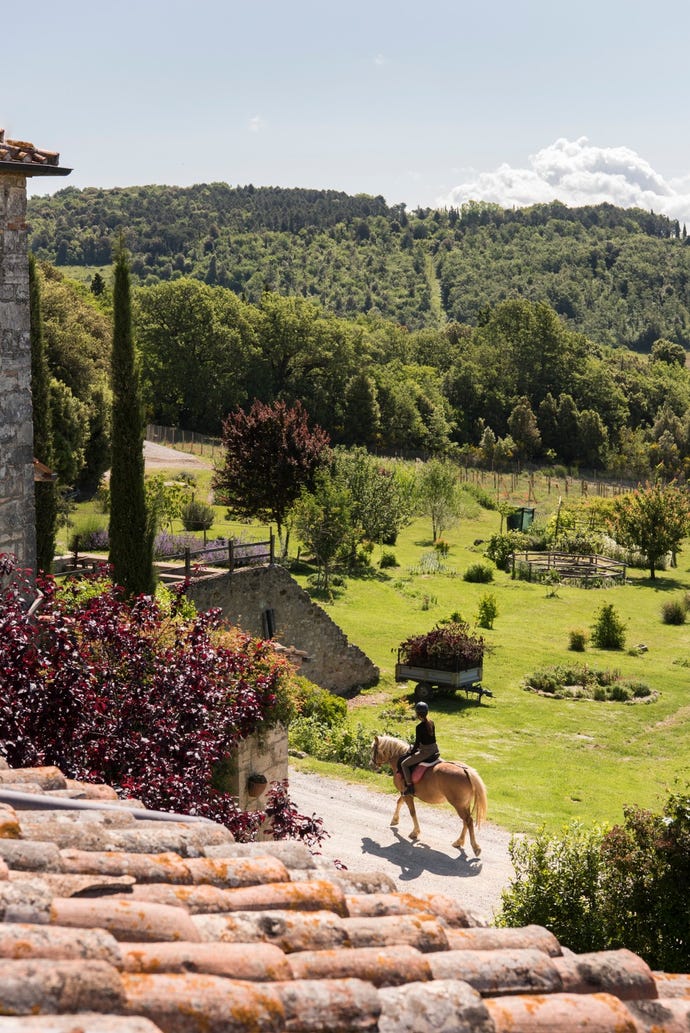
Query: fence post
{"points": [[231, 555], [187, 561], [271, 546]]}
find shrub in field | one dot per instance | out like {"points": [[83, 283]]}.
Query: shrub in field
{"points": [[479, 573], [502, 546], [578, 681], [487, 611], [674, 611], [197, 516], [388, 559], [338, 742], [608, 630], [603, 890], [578, 640], [485, 499], [135, 694]]}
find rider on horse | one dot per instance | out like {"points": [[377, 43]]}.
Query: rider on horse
{"points": [[423, 748]]}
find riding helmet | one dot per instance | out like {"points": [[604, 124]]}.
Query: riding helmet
{"points": [[421, 708]]}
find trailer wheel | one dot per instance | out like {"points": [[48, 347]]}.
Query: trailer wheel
{"points": [[423, 690]]}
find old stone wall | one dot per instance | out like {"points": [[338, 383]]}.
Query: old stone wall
{"points": [[266, 602], [17, 515], [264, 753]]}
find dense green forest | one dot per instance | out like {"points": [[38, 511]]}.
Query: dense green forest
{"points": [[545, 334], [620, 276]]}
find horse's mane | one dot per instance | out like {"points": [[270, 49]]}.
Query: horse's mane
{"points": [[390, 748]]}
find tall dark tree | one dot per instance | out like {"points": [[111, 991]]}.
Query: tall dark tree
{"points": [[46, 498], [131, 533], [270, 456]]}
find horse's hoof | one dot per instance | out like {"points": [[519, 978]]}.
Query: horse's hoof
{"points": [[414, 835], [394, 823], [477, 851]]}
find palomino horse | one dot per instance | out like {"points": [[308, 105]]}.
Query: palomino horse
{"points": [[459, 784]]}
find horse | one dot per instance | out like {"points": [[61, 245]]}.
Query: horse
{"points": [[457, 783]]}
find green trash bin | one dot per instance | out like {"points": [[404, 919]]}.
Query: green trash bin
{"points": [[520, 519]]}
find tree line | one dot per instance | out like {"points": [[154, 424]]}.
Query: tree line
{"points": [[618, 275], [521, 386]]}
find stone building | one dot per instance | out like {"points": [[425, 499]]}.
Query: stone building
{"points": [[18, 160]]}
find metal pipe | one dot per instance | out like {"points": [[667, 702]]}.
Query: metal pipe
{"points": [[44, 802]]}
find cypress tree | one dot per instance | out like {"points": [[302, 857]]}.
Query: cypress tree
{"points": [[131, 532], [45, 492]]}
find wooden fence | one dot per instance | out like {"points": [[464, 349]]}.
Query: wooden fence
{"points": [[587, 569]]}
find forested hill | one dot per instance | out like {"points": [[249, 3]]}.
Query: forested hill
{"points": [[621, 276]]}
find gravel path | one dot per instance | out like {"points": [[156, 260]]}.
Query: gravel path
{"points": [[358, 818]]}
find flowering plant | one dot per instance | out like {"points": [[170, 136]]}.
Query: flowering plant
{"points": [[144, 695]]}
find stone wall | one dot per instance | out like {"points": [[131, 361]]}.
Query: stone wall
{"points": [[266, 602], [264, 753], [17, 514]]}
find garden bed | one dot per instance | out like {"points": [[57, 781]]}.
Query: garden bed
{"points": [[577, 681]]}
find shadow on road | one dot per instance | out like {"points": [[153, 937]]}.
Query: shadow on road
{"points": [[414, 859]]}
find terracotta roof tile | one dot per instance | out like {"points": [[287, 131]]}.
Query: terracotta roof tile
{"points": [[390, 967], [499, 971], [23, 941], [489, 938], [125, 919], [444, 1006], [302, 896], [59, 986], [617, 972], [262, 963], [83, 1022], [114, 924], [534, 1013]]}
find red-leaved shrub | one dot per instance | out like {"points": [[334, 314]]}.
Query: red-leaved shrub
{"points": [[141, 696]]}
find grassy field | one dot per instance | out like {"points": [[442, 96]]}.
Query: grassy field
{"points": [[545, 761]]}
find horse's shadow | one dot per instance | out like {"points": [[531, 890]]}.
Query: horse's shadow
{"points": [[416, 858]]}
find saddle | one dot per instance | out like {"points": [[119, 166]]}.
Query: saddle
{"points": [[419, 770]]}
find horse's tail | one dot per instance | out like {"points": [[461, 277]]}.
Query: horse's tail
{"points": [[480, 801]]}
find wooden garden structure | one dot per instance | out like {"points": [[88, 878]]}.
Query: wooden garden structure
{"points": [[588, 569]]}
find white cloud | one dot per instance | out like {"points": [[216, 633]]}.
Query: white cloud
{"points": [[578, 173], [380, 60], [256, 124]]}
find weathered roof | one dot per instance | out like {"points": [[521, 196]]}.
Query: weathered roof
{"points": [[113, 922], [21, 156]]}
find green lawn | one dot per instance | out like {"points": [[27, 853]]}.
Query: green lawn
{"points": [[544, 761]]}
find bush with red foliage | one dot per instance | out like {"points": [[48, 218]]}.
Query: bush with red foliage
{"points": [[449, 646], [136, 695]]}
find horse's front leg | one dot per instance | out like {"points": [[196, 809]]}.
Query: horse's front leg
{"points": [[396, 816], [409, 800]]}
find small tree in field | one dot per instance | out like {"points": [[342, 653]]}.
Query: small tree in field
{"points": [[270, 456], [654, 520], [439, 495]]}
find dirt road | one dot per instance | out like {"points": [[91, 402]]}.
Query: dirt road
{"points": [[358, 820]]}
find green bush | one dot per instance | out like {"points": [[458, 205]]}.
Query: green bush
{"points": [[197, 516], [556, 885], [604, 890], [502, 546], [578, 640], [608, 630], [674, 611], [442, 547], [310, 700], [388, 559], [487, 611], [479, 573], [339, 743]]}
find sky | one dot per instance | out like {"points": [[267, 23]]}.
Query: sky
{"points": [[428, 103]]}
